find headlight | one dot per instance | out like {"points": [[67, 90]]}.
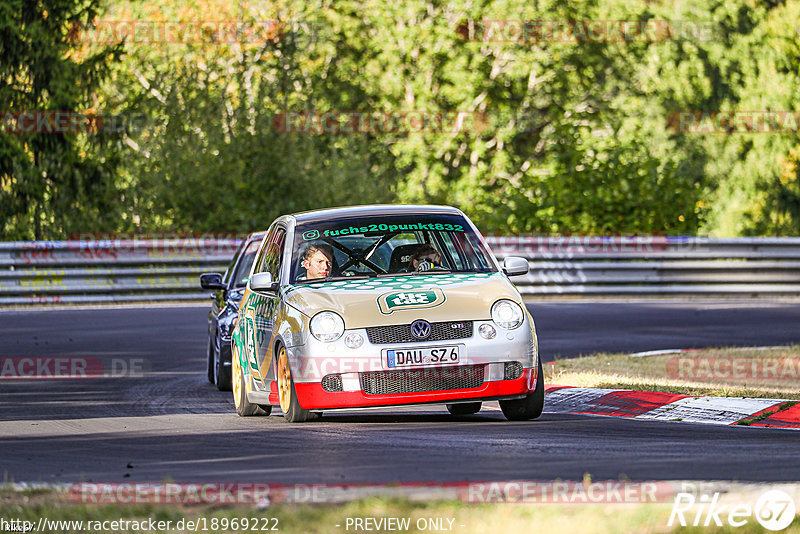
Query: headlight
{"points": [[226, 323], [507, 314], [225, 329], [327, 326]]}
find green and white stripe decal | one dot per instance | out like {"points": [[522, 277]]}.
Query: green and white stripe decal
{"points": [[397, 283]]}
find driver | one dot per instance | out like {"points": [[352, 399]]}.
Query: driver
{"points": [[317, 260], [425, 258]]}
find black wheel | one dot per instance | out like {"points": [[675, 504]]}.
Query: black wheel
{"points": [[465, 408], [210, 360], [292, 411], [222, 373], [529, 407], [243, 407]]}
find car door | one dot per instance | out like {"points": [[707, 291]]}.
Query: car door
{"points": [[263, 307], [218, 299]]}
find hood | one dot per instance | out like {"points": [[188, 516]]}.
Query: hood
{"points": [[403, 299]]}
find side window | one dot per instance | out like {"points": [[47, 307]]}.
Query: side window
{"points": [[275, 253], [245, 262], [451, 252], [262, 253], [270, 259], [229, 270]]}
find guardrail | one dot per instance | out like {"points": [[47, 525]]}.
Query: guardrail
{"points": [[646, 265], [109, 271], [166, 270]]}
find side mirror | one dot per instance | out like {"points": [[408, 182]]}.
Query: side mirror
{"points": [[211, 281], [263, 282], [515, 266]]}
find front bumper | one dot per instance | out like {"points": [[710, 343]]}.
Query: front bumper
{"points": [[312, 396], [314, 360]]}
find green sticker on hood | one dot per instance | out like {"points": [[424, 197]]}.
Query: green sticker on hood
{"points": [[407, 300]]}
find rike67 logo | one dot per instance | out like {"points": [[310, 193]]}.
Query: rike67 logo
{"points": [[774, 510], [408, 300]]}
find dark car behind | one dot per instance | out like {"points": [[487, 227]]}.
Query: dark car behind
{"points": [[228, 289]]}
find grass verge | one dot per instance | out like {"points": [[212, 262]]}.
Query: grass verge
{"points": [[435, 516], [720, 372]]}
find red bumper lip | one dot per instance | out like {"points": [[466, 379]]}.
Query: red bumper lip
{"points": [[312, 396]]}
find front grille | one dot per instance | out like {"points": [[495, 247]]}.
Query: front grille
{"points": [[401, 333], [512, 370], [415, 380], [332, 383]]}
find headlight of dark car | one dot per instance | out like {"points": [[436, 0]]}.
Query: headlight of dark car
{"points": [[226, 319], [226, 324]]}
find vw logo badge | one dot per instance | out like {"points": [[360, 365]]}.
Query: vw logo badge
{"points": [[421, 329]]}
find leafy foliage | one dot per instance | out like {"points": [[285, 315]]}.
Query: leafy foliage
{"points": [[52, 184], [559, 136]]}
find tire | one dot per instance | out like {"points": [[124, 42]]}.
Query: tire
{"points": [[244, 408], [464, 408], [529, 407], [287, 394], [210, 361], [222, 374]]}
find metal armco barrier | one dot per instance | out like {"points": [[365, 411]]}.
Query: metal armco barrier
{"points": [[109, 271], [167, 270], [644, 265]]}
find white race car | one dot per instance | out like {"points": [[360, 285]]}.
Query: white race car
{"points": [[383, 306]]}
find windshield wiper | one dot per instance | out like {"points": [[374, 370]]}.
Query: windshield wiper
{"points": [[437, 271], [414, 273]]}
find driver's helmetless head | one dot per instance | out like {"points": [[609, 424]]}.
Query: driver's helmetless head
{"points": [[424, 257], [317, 260]]}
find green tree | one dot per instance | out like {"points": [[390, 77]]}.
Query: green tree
{"points": [[52, 184], [214, 156]]}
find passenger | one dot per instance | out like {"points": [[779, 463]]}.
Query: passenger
{"points": [[425, 258], [318, 261]]}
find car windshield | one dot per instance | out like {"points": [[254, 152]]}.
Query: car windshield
{"points": [[245, 262], [387, 246]]}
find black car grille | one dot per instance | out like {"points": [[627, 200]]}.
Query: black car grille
{"points": [[415, 380], [512, 370], [401, 333], [332, 383]]}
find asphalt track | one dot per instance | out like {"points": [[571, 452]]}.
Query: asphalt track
{"points": [[171, 424]]}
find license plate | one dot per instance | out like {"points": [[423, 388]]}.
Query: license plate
{"points": [[447, 355]]}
